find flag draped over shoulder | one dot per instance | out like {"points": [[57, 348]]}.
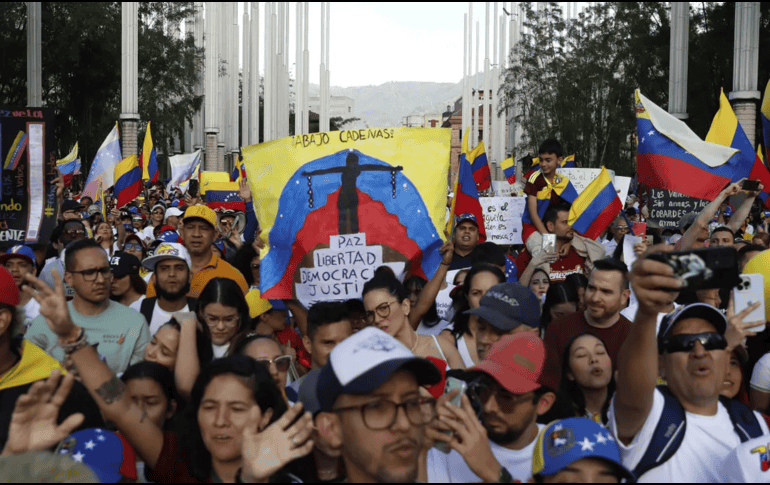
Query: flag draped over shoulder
{"points": [[726, 131], [69, 166], [670, 156], [16, 151], [102, 173], [466, 199], [561, 186], [477, 158], [596, 207], [765, 115], [509, 169], [128, 181], [149, 161], [343, 203]]}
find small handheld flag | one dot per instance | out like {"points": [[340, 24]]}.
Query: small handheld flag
{"points": [[596, 207], [128, 181], [509, 169], [69, 166], [16, 151], [479, 166], [149, 158]]}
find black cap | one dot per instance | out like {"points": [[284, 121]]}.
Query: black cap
{"points": [[123, 264], [71, 205]]}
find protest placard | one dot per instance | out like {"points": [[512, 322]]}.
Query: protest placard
{"points": [[502, 218], [28, 198], [667, 207], [582, 177], [340, 204]]}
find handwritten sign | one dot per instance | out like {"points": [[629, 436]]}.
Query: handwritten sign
{"points": [[582, 177], [443, 300], [502, 218], [340, 271], [667, 207], [28, 201]]}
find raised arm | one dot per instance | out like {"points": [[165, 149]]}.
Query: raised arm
{"points": [[707, 214], [121, 229], [744, 209], [187, 361], [536, 262], [655, 286], [108, 391], [428, 294], [300, 314]]}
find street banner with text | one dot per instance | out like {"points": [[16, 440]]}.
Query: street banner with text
{"points": [[335, 206], [502, 218]]}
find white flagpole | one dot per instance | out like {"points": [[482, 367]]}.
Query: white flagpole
{"points": [[298, 74], [465, 76], [246, 78], [485, 95], [255, 77], [306, 70], [476, 97]]}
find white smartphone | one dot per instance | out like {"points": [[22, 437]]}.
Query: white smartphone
{"points": [[549, 243], [749, 291], [452, 383]]}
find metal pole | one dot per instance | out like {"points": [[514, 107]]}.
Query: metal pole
{"points": [[254, 75], [211, 93], [246, 79], [485, 96], [34, 55]]}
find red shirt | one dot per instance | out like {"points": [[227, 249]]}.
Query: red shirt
{"points": [[560, 269], [170, 467], [560, 332], [289, 335], [537, 182]]}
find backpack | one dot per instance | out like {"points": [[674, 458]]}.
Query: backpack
{"points": [[669, 433], [148, 307]]}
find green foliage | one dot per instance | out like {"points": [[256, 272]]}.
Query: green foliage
{"points": [[575, 80], [81, 62]]}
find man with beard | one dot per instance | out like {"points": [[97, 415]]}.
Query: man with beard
{"points": [[466, 236], [508, 391], [606, 295], [171, 275], [119, 331]]}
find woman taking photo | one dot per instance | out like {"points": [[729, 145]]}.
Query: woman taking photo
{"points": [[236, 426], [387, 306]]}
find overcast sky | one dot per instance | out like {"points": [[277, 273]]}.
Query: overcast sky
{"points": [[373, 43]]}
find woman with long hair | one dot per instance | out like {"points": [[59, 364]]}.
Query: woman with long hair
{"points": [[560, 300], [222, 307], [587, 379], [265, 349]]}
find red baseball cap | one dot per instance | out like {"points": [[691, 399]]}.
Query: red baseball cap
{"points": [[515, 362], [9, 292]]}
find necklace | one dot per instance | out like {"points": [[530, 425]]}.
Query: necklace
{"points": [[416, 339]]}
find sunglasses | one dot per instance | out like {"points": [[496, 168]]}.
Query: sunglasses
{"points": [[281, 362], [686, 342], [132, 247]]}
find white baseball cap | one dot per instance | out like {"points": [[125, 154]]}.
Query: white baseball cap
{"points": [[167, 250], [364, 361], [173, 211]]}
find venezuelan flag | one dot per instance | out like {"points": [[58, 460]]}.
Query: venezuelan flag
{"points": [[765, 115], [16, 151], [69, 165], [128, 181], [596, 207], [479, 166], [149, 162], [563, 188], [224, 195], [466, 199], [509, 169], [235, 174], [568, 162], [725, 130], [100, 201]]}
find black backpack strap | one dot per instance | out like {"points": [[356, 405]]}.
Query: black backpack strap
{"points": [[147, 307], [667, 437], [192, 304], [744, 420]]}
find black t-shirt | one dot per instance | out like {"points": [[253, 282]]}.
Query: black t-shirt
{"points": [[460, 262]]}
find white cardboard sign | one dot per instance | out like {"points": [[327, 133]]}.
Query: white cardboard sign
{"points": [[502, 218]]}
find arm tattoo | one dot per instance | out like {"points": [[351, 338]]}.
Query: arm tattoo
{"points": [[111, 390]]}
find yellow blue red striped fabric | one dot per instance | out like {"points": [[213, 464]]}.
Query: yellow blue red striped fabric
{"points": [[149, 158], [16, 151], [477, 158], [596, 207], [765, 115], [509, 169], [128, 180]]}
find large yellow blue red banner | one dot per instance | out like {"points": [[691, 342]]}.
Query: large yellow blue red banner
{"points": [[335, 206]]}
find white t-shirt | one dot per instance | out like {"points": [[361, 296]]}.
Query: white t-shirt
{"points": [[436, 329], [630, 313], [748, 463], [31, 311], [159, 316], [220, 350], [451, 467], [707, 442], [760, 376]]}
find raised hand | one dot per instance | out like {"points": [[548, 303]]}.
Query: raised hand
{"points": [[737, 329], [244, 191], [33, 422], [266, 452], [447, 250], [654, 284], [53, 305]]}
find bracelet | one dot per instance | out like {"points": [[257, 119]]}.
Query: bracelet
{"points": [[78, 344], [446, 264]]}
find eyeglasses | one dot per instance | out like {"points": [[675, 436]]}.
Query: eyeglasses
{"points": [[382, 310], [282, 362], [75, 233], [382, 414], [158, 212], [132, 247], [686, 342], [90, 274], [483, 388], [621, 228], [229, 322]]}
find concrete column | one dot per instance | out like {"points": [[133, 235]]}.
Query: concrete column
{"points": [[129, 73], [198, 140], [211, 125], [235, 81], [254, 75], [187, 143], [246, 78], [745, 94], [223, 70], [34, 55], [679, 58]]}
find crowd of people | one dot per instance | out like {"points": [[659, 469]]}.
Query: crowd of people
{"points": [[135, 346]]}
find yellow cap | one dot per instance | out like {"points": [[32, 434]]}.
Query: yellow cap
{"points": [[257, 304], [201, 212]]}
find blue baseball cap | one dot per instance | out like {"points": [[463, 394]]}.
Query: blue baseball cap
{"points": [[507, 305], [279, 305], [728, 211], [19, 251], [694, 310], [466, 217], [766, 214], [564, 442], [105, 452], [364, 361]]}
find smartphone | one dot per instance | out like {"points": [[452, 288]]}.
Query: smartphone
{"points": [[750, 185], [650, 239], [703, 268], [639, 228], [749, 291], [193, 189], [549, 243], [452, 383]]}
